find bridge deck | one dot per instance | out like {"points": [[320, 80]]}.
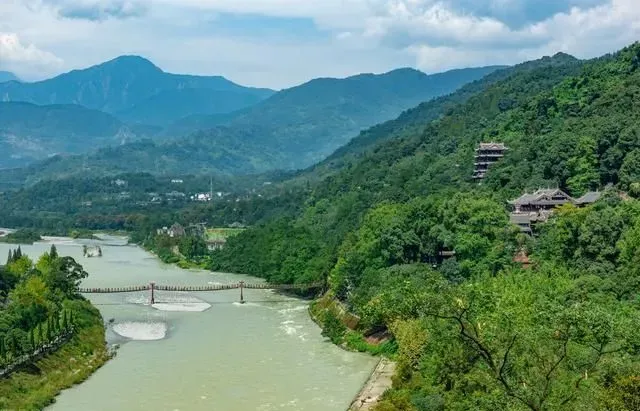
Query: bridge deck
{"points": [[190, 288]]}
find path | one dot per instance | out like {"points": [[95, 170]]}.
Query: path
{"points": [[376, 385]]}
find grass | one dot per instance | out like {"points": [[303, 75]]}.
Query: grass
{"points": [[352, 339], [355, 341], [36, 386]]}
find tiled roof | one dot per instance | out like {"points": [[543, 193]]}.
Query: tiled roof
{"points": [[492, 146], [590, 197], [538, 197]]}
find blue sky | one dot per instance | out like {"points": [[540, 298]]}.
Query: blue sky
{"points": [[280, 43]]}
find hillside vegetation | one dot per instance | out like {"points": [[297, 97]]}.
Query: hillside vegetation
{"points": [[292, 129], [478, 331], [29, 132], [39, 303]]}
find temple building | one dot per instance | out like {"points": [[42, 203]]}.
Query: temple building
{"points": [[531, 208], [541, 200], [487, 154]]}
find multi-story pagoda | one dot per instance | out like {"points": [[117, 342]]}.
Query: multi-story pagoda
{"points": [[487, 154]]}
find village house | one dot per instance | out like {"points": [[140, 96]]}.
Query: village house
{"points": [[487, 154], [201, 197], [197, 230], [176, 230], [531, 208], [216, 244]]}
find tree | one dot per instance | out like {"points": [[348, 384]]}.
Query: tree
{"points": [[65, 274], [630, 170], [333, 328], [519, 334]]}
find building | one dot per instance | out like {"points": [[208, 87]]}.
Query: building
{"points": [[201, 197], [541, 200], [531, 208], [487, 154], [197, 230], [177, 230], [216, 244]]}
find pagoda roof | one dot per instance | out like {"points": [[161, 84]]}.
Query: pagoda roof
{"points": [[542, 197], [589, 198], [492, 146]]}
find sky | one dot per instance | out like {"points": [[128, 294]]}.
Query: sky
{"points": [[281, 43]]}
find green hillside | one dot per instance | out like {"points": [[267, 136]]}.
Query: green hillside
{"points": [[291, 129], [414, 120], [307, 122], [478, 331], [29, 132]]}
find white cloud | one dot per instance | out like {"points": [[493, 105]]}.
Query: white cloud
{"points": [[353, 35], [14, 55], [442, 38]]}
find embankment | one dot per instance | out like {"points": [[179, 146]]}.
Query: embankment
{"points": [[34, 386], [379, 381]]}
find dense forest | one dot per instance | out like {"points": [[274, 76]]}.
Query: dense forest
{"points": [[290, 129], [419, 253], [479, 331], [39, 307]]}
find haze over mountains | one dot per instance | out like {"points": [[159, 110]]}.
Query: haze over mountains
{"points": [[196, 123], [138, 90], [7, 76], [29, 132]]}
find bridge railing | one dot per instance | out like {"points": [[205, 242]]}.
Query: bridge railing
{"points": [[153, 287], [114, 290], [197, 288]]}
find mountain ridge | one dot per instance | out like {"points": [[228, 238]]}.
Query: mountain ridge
{"points": [[123, 83], [30, 132], [291, 129]]}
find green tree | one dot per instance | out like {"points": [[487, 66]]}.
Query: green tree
{"points": [[630, 170], [333, 328]]}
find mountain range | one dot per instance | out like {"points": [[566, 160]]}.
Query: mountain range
{"points": [[138, 90], [255, 130], [29, 132]]}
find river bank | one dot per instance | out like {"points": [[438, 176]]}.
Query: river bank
{"points": [[36, 385], [379, 381]]}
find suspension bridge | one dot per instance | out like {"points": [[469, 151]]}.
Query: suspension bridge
{"points": [[153, 287]]}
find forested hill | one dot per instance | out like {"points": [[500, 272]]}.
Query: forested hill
{"points": [[29, 132], [138, 90], [477, 331], [307, 122], [291, 129], [415, 119]]}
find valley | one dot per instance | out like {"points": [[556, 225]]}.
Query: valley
{"points": [[474, 232]]}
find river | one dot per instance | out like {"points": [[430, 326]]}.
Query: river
{"points": [[264, 355]]}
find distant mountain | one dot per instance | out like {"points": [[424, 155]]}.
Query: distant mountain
{"points": [[419, 117], [139, 91], [292, 129], [29, 132], [306, 123], [7, 76]]}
